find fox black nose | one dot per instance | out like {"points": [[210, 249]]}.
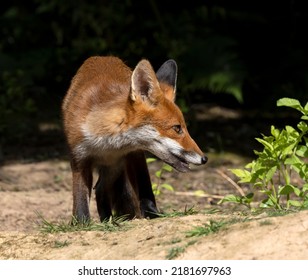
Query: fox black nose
{"points": [[204, 160]]}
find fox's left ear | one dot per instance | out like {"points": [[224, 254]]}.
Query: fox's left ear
{"points": [[167, 76]]}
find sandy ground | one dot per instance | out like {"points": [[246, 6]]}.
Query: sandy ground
{"points": [[30, 191]]}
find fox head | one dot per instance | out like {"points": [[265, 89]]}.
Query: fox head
{"points": [[163, 131]]}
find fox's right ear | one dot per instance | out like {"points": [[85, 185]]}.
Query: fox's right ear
{"points": [[167, 77], [144, 84]]}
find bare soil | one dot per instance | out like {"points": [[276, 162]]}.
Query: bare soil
{"points": [[35, 184], [30, 191]]}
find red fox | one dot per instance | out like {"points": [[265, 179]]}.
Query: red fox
{"points": [[111, 115]]}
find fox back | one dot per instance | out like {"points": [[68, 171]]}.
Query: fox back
{"points": [[111, 115]]}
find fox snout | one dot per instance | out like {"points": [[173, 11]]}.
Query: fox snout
{"points": [[182, 162], [196, 158]]}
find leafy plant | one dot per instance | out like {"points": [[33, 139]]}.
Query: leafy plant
{"points": [[284, 156], [158, 185]]}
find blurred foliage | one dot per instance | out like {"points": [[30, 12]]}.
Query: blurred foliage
{"points": [[14, 104], [254, 52]]}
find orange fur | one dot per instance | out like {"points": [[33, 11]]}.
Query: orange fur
{"points": [[111, 114]]}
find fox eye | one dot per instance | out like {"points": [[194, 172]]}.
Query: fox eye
{"points": [[178, 129]]}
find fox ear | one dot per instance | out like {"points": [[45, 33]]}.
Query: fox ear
{"points": [[167, 76], [144, 83]]}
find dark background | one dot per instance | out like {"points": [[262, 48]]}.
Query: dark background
{"points": [[239, 55]]}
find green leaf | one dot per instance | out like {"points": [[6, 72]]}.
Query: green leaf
{"points": [[267, 203], [248, 198], [290, 102], [297, 191], [291, 130], [305, 187], [156, 192], [286, 150], [240, 172], [260, 171], [245, 200], [258, 184], [275, 132], [303, 126], [305, 203], [303, 171], [293, 160], [249, 165], [167, 167], [270, 173], [294, 203], [230, 198], [167, 187], [155, 189], [243, 174], [265, 144], [302, 151], [286, 190], [158, 173], [149, 160]]}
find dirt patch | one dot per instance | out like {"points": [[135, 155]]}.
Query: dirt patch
{"points": [[44, 188], [260, 238]]}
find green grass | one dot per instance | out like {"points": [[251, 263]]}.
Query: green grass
{"points": [[211, 227], [111, 225], [175, 252], [186, 212], [266, 223], [61, 244]]}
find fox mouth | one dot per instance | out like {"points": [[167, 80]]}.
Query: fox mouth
{"points": [[179, 163]]}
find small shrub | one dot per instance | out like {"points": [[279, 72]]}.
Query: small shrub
{"points": [[158, 185], [284, 154]]}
